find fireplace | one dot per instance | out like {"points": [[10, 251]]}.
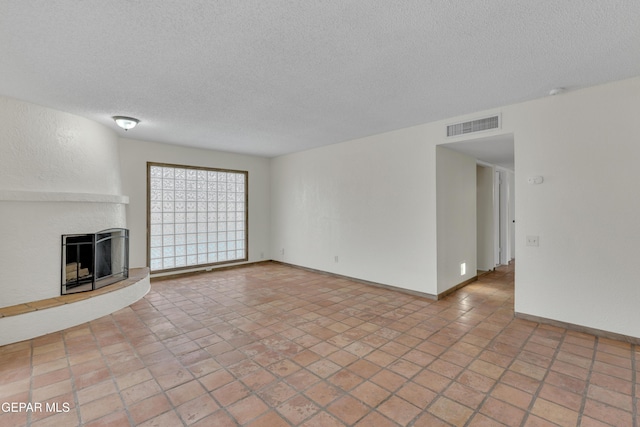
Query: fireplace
{"points": [[91, 261]]}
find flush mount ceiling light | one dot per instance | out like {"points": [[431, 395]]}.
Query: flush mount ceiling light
{"points": [[126, 123]]}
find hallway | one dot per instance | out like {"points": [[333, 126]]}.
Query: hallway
{"points": [[272, 345]]}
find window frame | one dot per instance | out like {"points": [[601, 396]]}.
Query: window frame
{"points": [[245, 258]]}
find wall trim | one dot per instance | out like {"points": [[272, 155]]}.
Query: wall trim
{"points": [[54, 196], [327, 273], [209, 269], [365, 282], [456, 287], [579, 328]]}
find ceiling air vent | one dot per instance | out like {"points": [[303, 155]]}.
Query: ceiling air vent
{"points": [[474, 126]]}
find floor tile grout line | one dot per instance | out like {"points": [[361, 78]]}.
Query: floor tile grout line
{"points": [[477, 357], [239, 379], [146, 365], [32, 377], [454, 379], [224, 368], [497, 381], [111, 374], [455, 317], [225, 408], [222, 407], [325, 357], [72, 378], [634, 386], [450, 322], [585, 392], [137, 355], [391, 393], [542, 381], [322, 408], [344, 392], [163, 391]]}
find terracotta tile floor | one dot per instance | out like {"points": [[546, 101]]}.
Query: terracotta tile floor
{"points": [[270, 345]]}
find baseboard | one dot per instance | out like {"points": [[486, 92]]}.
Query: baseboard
{"points": [[484, 272], [579, 328], [364, 282], [203, 270], [340, 276], [456, 287]]}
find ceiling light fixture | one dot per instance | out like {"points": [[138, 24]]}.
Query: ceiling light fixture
{"points": [[556, 91], [126, 123]]}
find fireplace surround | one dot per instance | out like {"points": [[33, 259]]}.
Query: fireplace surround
{"points": [[91, 261]]}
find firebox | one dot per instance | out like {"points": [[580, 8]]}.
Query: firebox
{"points": [[91, 261]]}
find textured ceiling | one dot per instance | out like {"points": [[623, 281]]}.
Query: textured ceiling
{"points": [[273, 77]]}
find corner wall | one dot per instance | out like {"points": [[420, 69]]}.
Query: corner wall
{"points": [[586, 145], [367, 202], [372, 202], [457, 224], [59, 174]]}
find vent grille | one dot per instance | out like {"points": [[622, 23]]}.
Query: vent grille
{"points": [[474, 126]]}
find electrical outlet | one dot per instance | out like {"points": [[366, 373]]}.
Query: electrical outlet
{"points": [[336, 258], [282, 252], [533, 241]]}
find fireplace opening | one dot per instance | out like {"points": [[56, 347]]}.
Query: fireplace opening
{"points": [[91, 261], [78, 262]]}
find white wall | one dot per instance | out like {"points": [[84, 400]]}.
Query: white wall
{"points": [[586, 144], [48, 150], [367, 201], [456, 217], [372, 202], [49, 162], [484, 220], [134, 158]]}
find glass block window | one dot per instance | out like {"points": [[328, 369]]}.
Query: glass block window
{"points": [[196, 216]]}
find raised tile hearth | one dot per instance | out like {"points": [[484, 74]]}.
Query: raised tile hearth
{"points": [[23, 321]]}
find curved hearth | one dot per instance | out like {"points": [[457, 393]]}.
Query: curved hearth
{"points": [[29, 320]]}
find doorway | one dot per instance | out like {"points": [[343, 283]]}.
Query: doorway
{"points": [[503, 216], [495, 182], [485, 219]]}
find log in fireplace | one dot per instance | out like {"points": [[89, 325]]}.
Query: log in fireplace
{"points": [[91, 261]]}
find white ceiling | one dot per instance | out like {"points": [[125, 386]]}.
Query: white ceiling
{"points": [[274, 77]]}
